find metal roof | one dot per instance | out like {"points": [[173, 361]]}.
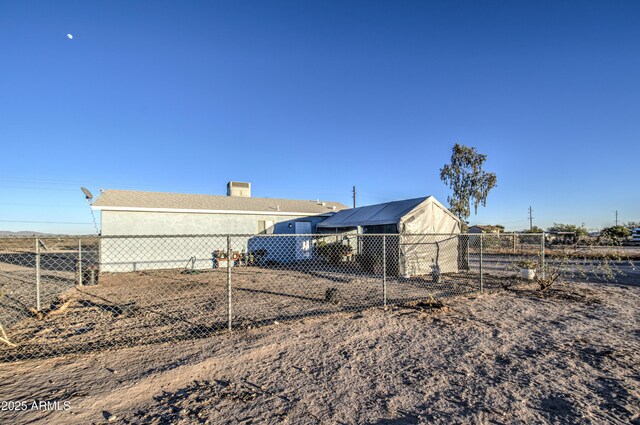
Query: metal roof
{"points": [[133, 200], [372, 215]]}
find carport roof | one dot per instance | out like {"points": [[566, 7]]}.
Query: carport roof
{"points": [[133, 200], [372, 215]]}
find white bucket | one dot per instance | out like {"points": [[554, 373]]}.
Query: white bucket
{"points": [[528, 274]]}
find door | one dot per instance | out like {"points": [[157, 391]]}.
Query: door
{"points": [[303, 243]]}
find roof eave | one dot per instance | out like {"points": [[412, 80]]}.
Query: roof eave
{"points": [[204, 211]]}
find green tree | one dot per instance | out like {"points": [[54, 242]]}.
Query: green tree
{"points": [[534, 229], [559, 227], [469, 182], [615, 233]]}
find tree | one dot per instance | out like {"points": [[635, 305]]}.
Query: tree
{"points": [[615, 233], [558, 227], [632, 224], [470, 184], [534, 229]]}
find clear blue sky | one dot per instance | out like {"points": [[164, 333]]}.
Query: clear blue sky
{"points": [[306, 98]]}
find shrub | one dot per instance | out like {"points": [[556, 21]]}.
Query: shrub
{"points": [[333, 252], [615, 234], [573, 262], [371, 263], [527, 264]]}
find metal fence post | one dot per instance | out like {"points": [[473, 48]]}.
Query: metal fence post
{"points": [[542, 256], [229, 254], [37, 274], [481, 277], [79, 262], [384, 270]]}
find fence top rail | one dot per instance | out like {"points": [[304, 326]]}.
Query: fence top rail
{"points": [[252, 235], [10, 237], [318, 235]]}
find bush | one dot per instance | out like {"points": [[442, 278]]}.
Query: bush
{"points": [[527, 264], [573, 262], [333, 252], [371, 263], [615, 234]]}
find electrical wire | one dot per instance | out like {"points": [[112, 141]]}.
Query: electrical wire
{"points": [[46, 222]]}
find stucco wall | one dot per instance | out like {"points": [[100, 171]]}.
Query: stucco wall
{"points": [[161, 223], [128, 254]]}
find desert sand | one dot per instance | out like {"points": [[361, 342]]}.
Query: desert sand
{"points": [[508, 356]]}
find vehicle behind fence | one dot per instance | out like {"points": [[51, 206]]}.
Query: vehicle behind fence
{"points": [[63, 295]]}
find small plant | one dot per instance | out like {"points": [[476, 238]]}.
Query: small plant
{"points": [[331, 295], [573, 262], [333, 252], [527, 264]]}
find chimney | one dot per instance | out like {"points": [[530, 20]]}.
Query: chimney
{"points": [[240, 189]]}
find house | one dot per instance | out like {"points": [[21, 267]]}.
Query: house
{"points": [[486, 229], [182, 216], [427, 234]]}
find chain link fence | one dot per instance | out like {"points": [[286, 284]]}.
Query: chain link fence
{"points": [[62, 295]]}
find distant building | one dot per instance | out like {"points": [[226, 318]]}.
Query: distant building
{"points": [[485, 229]]}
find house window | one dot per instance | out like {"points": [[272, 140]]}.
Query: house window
{"points": [[265, 227]]}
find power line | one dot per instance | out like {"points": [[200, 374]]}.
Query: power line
{"points": [[12, 204], [68, 189], [50, 181], [530, 218], [43, 222]]}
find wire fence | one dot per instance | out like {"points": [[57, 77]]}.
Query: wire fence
{"points": [[61, 295]]}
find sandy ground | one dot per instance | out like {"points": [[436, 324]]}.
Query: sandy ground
{"points": [[571, 355], [128, 309]]}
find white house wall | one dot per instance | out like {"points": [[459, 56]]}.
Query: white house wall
{"points": [[142, 253]]}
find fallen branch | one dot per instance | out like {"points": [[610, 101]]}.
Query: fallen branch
{"points": [[4, 338]]}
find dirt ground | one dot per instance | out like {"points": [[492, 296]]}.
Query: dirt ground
{"points": [[570, 355], [127, 309]]}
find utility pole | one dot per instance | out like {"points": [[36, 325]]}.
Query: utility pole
{"points": [[616, 217], [354, 196], [530, 218]]}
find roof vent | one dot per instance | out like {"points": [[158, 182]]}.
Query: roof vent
{"points": [[240, 189]]}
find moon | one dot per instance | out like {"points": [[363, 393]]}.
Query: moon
{"points": [[70, 36]]}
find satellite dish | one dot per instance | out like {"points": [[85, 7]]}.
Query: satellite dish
{"points": [[86, 193]]}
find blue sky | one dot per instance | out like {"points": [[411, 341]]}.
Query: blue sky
{"points": [[306, 98]]}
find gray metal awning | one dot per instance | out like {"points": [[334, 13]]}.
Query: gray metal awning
{"points": [[372, 215]]}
